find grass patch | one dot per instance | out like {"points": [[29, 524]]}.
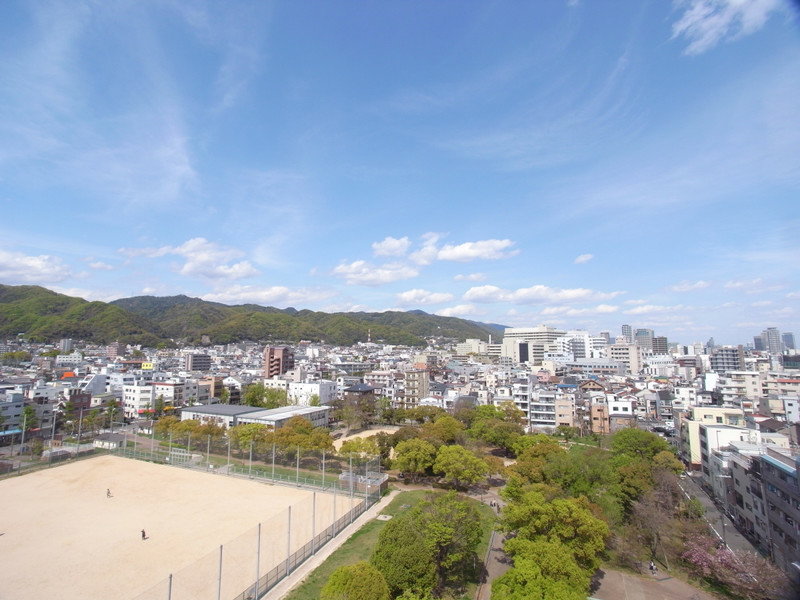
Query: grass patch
{"points": [[360, 545]]}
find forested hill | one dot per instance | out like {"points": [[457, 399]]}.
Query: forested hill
{"points": [[44, 315]]}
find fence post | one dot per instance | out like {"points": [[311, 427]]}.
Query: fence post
{"points": [[351, 487], [289, 541], [219, 584], [313, 523], [258, 562], [228, 470], [250, 468], [169, 455], [323, 471], [208, 451], [273, 462], [169, 587], [297, 470]]}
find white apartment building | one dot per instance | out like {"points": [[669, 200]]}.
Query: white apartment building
{"points": [[138, 400], [300, 393], [629, 355]]}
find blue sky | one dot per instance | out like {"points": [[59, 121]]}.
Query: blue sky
{"points": [[576, 163]]}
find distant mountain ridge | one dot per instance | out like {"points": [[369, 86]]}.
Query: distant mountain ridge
{"points": [[44, 315]]}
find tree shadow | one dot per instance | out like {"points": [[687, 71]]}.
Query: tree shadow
{"points": [[596, 581]]}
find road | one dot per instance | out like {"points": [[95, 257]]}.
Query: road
{"points": [[721, 524]]}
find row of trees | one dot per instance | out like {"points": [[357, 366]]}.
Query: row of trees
{"points": [[566, 503]]}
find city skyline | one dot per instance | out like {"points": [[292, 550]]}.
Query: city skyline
{"points": [[572, 164]]}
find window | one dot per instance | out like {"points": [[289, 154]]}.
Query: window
{"points": [[719, 419]]}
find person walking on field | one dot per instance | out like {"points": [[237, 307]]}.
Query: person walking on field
{"points": [[108, 493], [144, 535]]}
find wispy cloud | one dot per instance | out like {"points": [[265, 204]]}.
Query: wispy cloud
{"points": [[19, 268], [390, 246], [583, 259], [705, 23], [268, 296], [460, 310], [360, 272], [536, 294], [203, 258], [470, 277], [688, 286], [419, 297]]}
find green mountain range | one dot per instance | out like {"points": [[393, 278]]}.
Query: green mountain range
{"points": [[43, 315]]}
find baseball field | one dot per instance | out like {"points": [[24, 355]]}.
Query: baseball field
{"points": [[111, 527]]}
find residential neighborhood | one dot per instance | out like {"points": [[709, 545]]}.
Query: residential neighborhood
{"points": [[730, 412]]}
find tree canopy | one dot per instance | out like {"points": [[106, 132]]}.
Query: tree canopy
{"points": [[359, 581]]}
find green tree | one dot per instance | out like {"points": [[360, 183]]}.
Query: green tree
{"points": [[254, 395], [360, 446], [404, 558], [445, 428], [637, 443], [459, 465], [275, 398], [160, 405], [13, 359], [225, 395], [542, 570], [414, 456], [314, 400], [29, 418], [452, 529], [567, 521], [360, 581]]}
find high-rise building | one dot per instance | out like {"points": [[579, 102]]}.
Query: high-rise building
{"points": [[660, 345], [727, 358], [530, 342], [758, 343], [627, 333], [277, 361], [644, 339], [66, 345], [197, 362], [771, 338], [788, 341]]}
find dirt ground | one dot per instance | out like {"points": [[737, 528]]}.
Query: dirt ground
{"points": [[363, 434], [62, 537]]}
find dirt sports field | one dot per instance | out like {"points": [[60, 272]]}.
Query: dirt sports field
{"points": [[62, 537]]}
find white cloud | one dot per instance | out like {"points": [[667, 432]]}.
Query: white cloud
{"points": [[583, 258], [98, 265], [688, 286], [761, 303], [482, 250], [17, 268], [391, 247], [428, 253], [634, 302], [267, 296], [654, 309], [418, 297], [705, 23], [470, 277], [363, 273], [203, 258], [745, 283], [600, 309], [793, 295], [536, 294], [461, 310]]}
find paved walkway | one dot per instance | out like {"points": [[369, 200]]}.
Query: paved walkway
{"points": [[616, 585]]}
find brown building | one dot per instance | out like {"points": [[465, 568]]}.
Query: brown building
{"points": [[277, 361]]}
